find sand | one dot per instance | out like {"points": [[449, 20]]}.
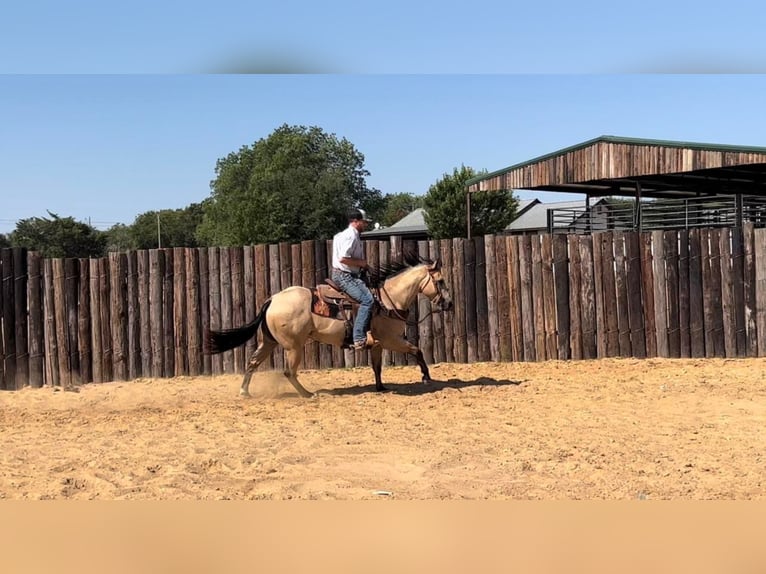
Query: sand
{"points": [[605, 429]]}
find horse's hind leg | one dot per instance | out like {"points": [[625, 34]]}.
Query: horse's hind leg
{"points": [[260, 355], [293, 360]]}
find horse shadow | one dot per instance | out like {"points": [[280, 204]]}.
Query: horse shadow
{"points": [[419, 388]]}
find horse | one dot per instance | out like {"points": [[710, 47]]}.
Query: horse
{"points": [[292, 316]]}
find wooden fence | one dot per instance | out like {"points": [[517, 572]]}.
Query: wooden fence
{"points": [[698, 293]]}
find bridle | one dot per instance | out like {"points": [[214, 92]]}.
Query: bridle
{"points": [[429, 278]]}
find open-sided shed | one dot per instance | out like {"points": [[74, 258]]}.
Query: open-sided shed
{"points": [[641, 168]]}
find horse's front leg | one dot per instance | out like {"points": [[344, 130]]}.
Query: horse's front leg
{"points": [[402, 345], [376, 356]]}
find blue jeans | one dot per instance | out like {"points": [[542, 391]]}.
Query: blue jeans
{"points": [[356, 289]]}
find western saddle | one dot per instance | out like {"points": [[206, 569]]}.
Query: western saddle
{"points": [[329, 300]]}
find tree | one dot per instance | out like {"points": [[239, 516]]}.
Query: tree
{"points": [[4, 241], [177, 227], [445, 207], [59, 237], [295, 184], [397, 206]]}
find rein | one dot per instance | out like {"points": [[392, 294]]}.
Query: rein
{"points": [[404, 318]]}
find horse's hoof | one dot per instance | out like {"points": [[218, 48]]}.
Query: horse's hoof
{"points": [[245, 394], [426, 381], [382, 389]]}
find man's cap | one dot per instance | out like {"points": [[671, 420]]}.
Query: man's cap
{"points": [[357, 214]]}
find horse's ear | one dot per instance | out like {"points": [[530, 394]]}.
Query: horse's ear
{"points": [[436, 265]]}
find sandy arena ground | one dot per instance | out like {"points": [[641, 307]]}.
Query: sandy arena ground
{"points": [[607, 429]]}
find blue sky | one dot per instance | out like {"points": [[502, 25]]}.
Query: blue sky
{"points": [[109, 147], [110, 110]]}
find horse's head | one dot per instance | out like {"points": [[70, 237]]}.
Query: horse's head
{"points": [[435, 288]]}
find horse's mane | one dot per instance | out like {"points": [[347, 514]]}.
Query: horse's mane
{"points": [[410, 258]]}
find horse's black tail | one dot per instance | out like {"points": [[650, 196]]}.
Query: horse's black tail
{"points": [[220, 341]]}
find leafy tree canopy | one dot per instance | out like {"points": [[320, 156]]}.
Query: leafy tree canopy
{"points": [[445, 205], [293, 185], [59, 237]]}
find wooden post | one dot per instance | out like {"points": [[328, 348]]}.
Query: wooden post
{"points": [[144, 312], [96, 345], [696, 312], [549, 297], [458, 280], [83, 322], [118, 290], [482, 306], [748, 247], [204, 305], [70, 302], [707, 293], [248, 270], [180, 342], [759, 256], [236, 260], [727, 296], [156, 275], [469, 290], [538, 301], [214, 279], [575, 288], [509, 299], [738, 289], [610, 294], [226, 305], [134, 318], [8, 319], [36, 320], [660, 294], [560, 269], [717, 299], [621, 287], [635, 306], [193, 315], [671, 274], [598, 292], [647, 293], [590, 336], [168, 335], [684, 304], [437, 320], [52, 374], [21, 318], [62, 324], [529, 323], [445, 248], [493, 325]]}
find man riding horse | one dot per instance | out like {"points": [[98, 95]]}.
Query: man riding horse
{"points": [[348, 262]]}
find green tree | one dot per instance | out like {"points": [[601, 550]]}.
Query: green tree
{"points": [[445, 206], [119, 238], [295, 184], [59, 237], [177, 227], [397, 205], [4, 241]]}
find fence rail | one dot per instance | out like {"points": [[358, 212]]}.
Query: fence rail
{"points": [[670, 293], [665, 214]]}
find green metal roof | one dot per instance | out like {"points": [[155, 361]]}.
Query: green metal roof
{"points": [[622, 140]]}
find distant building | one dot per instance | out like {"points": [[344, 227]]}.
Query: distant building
{"points": [[413, 225]]}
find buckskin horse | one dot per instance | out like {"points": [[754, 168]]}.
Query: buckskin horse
{"points": [[292, 316]]}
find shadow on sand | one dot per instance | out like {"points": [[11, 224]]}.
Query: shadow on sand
{"points": [[418, 388]]}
